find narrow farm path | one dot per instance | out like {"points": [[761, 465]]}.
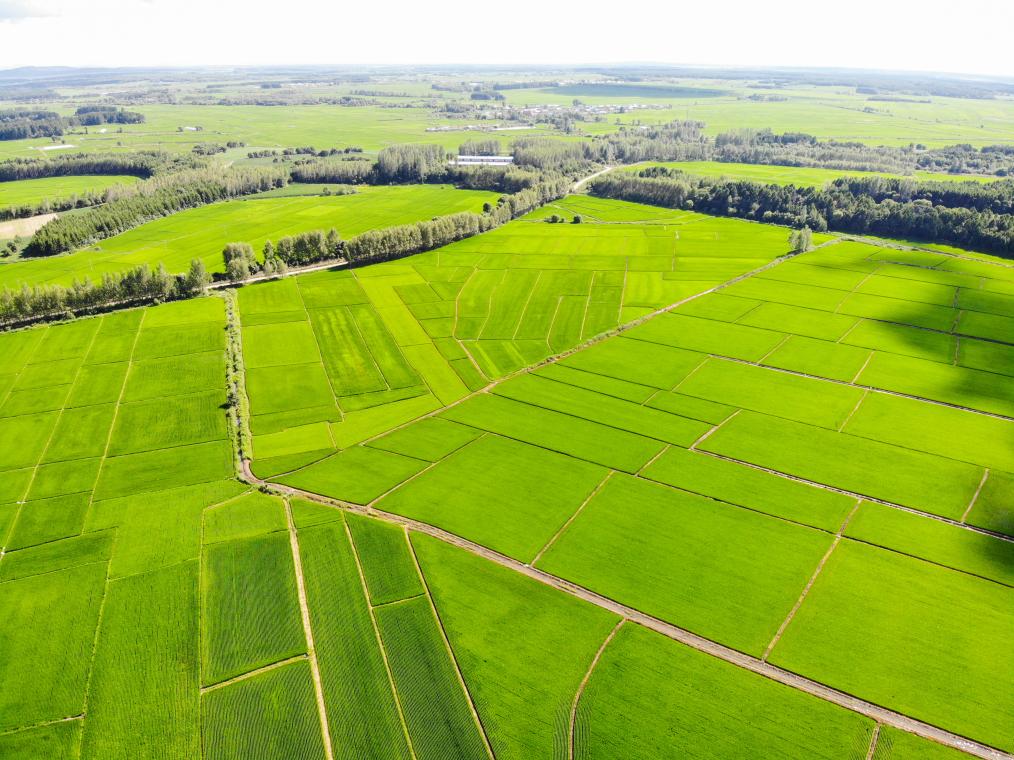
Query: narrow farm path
{"points": [[576, 187]]}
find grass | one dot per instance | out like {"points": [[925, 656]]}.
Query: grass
{"points": [[57, 555], [203, 232], [914, 479], [387, 565], [652, 697], [604, 409], [893, 744], [271, 716], [157, 529], [780, 394], [250, 615], [523, 648], [934, 541], [252, 514], [994, 508], [149, 633], [361, 709], [43, 678], [755, 489], [654, 548], [892, 629], [973, 438], [358, 474], [54, 740], [436, 708], [556, 431], [31, 192], [791, 175], [157, 424], [501, 493], [398, 339]]}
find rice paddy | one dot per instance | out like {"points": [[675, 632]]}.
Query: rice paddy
{"points": [[810, 467]]}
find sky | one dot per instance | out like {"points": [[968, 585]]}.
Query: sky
{"points": [[971, 36]]}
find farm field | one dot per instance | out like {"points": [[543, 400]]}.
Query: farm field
{"points": [[752, 515], [359, 352], [203, 232], [492, 525], [30, 192], [790, 175]]}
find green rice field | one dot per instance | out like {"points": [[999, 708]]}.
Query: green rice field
{"points": [[203, 232], [31, 192], [790, 175], [540, 493]]}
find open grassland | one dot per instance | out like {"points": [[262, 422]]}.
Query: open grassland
{"points": [[824, 111], [790, 175], [172, 128], [201, 233], [31, 192]]}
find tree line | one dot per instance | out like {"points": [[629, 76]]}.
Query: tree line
{"points": [[390, 242], [833, 208], [142, 164], [138, 285], [144, 284], [132, 205], [23, 123]]}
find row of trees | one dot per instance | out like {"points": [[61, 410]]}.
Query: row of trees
{"points": [[390, 242], [820, 209], [139, 285], [132, 205], [751, 146], [21, 123], [142, 164]]}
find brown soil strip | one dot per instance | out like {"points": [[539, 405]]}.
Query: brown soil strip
{"points": [[252, 673], [24, 227], [975, 496], [873, 742], [584, 682], [311, 650]]}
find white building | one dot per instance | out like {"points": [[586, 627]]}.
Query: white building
{"points": [[484, 160]]}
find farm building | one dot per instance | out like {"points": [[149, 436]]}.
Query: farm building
{"points": [[484, 160]]}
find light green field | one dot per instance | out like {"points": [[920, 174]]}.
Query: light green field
{"points": [[790, 175], [203, 232], [660, 468], [337, 357], [31, 192], [370, 128]]}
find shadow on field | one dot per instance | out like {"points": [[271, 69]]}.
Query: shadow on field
{"points": [[982, 386]]}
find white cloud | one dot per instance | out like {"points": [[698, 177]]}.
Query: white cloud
{"points": [[18, 10], [903, 34]]}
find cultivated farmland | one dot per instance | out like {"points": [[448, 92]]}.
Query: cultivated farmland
{"points": [[650, 484]]}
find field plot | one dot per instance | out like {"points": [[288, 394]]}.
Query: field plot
{"points": [[203, 232], [335, 358], [693, 468], [897, 630], [651, 697], [31, 192], [114, 581], [791, 175]]}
